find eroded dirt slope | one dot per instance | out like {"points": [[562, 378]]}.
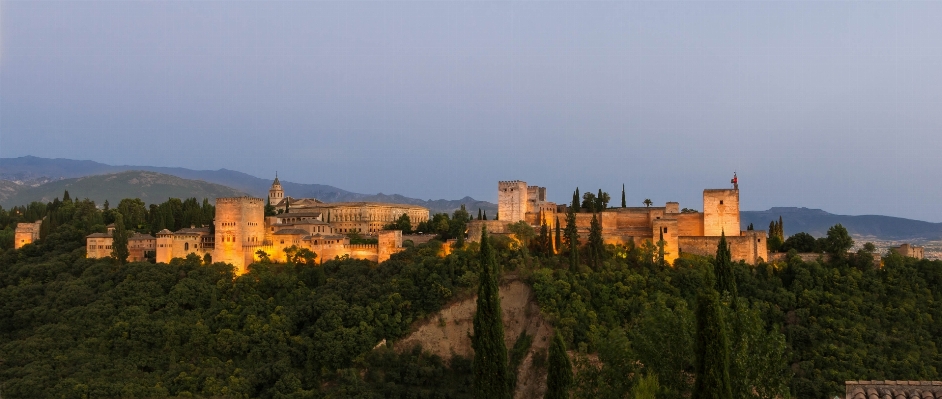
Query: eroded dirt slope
{"points": [[448, 332]]}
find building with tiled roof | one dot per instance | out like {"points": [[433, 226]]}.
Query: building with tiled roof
{"points": [[893, 389], [242, 234], [344, 217]]}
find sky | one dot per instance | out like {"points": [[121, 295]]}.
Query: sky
{"points": [[830, 105]]}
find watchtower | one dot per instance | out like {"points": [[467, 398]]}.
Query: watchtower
{"points": [[164, 250], [721, 212], [240, 229], [511, 200]]}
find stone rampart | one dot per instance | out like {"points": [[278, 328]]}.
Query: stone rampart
{"points": [[493, 227], [748, 248]]}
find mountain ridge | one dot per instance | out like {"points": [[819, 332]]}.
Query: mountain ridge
{"points": [[150, 187], [30, 170]]}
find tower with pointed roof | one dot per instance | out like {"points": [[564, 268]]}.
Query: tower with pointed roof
{"points": [[276, 193]]}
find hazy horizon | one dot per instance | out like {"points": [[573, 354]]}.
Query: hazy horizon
{"points": [[833, 106]]}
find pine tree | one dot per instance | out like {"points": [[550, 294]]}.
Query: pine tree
{"points": [[559, 378], [106, 206], [119, 245], [572, 239], [489, 367], [559, 239], [712, 350], [723, 268], [596, 245], [623, 203]]}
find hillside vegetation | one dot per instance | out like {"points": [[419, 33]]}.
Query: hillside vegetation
{"points": [[148, 186], [72, 327]]}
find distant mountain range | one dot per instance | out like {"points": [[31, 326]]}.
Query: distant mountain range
{"points": [[29, 178], [34, 172], [150, 187], [817, 222]]}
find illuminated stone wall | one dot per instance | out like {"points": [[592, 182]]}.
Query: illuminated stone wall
{"points": [[240, 230], [26, 233], [748, 247], [720, 212], [511, 200]]}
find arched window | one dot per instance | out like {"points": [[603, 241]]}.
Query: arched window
{"points": [[186, 246]]}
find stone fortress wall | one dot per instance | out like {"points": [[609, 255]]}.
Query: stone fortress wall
{"points": [[695, 233], [26, 233]]}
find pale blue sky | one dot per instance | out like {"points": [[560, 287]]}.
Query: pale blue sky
{"points": [[827, 105]]}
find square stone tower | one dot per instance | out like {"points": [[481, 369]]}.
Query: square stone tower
{"points": [[240, 230], [721, 212], [512, 200]]}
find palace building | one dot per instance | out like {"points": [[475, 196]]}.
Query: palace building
{"points": [[242, 234]]}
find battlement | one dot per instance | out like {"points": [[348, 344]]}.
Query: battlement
{"points": [[361, 246], [240, 200], [510, 182]]}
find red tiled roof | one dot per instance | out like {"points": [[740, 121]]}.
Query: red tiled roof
{"points": [[893, 389]]}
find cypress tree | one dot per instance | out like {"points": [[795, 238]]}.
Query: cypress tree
{"points": [[489, 367], [545, 244], [623, 203], [572, 238], [559, 239], [479, 214], [485, 216], [559, 377], [106, 206], [723, 268], [66, 197], [119, 245], [599, 205], [596, 245], [712, 350], [575, 200]]}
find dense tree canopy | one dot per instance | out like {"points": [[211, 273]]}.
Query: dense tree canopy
{"points": [[74, 327]]}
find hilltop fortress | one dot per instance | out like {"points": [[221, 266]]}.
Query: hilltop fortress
{"points": [[241, 229], [683, 232]]}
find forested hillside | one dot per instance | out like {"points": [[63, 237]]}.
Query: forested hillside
{"points": [[76, 327]]}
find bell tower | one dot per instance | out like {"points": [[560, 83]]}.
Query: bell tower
{"points": [[275, 193]]}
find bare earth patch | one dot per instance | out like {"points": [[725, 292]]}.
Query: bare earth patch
{"points": [[448, 332]]}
